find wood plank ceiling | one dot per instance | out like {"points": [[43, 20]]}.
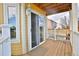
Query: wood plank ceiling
{"points": [[53, 8]]}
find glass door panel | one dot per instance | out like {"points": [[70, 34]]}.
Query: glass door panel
{"points": [[37, 30], [41, 34], [41, 22], [33, 30]]}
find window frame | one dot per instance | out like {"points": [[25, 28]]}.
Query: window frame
{"points": [[6, 15]]}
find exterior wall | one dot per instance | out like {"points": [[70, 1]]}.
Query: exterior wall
{"points": [[49, 24], [16, 48], [19, 48], [1, 13]]}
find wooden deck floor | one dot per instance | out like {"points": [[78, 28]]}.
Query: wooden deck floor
{"points": [[52, 48]]}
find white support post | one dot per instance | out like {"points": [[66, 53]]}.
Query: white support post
{"points": [[46, 29], [74, 27], [74, 17], [55, 33]]}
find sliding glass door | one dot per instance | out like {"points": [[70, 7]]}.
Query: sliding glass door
{"points": [[37, 30]]}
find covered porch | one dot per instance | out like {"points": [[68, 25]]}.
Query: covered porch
{"points": [[29, 35]]}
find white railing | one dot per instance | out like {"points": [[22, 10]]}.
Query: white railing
{"points": [[5, 43], [59, 34]]}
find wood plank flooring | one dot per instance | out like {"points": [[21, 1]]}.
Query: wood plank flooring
{"points": [[52, 48]]}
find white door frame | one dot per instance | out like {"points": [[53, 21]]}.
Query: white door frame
{"points": [[28, 13]]}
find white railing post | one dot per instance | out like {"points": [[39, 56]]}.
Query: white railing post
{"points": [[6, 42], [55, 33]]}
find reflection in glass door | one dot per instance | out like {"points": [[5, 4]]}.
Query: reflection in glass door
{"points": [[41, 34], [33, 30], [41, 29]]}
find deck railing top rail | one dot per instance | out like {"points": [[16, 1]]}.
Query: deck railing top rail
{"points": [[5, 42]]}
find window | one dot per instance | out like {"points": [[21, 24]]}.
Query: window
{"points": [[12, 20], [11, 17]]}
